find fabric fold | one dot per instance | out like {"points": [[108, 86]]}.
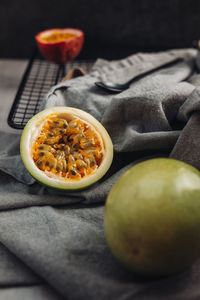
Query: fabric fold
{"points": [[148, 117], [58, 238]]}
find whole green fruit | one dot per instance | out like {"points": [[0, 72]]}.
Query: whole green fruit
{"points": [[152, 217]]}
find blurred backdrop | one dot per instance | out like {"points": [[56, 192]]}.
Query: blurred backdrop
{"points": [[113, 28]]}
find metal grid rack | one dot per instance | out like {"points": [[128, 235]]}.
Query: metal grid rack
{"points": [[39, 77]]}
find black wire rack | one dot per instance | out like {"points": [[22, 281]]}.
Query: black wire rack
{"points": [[39, 76]]}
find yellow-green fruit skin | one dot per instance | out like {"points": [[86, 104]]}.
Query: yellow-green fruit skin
{"points": [[152, 217]]}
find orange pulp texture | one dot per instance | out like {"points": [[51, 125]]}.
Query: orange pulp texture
{"points": [[57, 36], [69, 148]]}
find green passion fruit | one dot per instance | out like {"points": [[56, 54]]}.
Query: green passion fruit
{"points": [[66, 148], [152, 217]]}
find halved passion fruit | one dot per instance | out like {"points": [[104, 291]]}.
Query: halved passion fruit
{"points": [[60, 45], [66, 148]]}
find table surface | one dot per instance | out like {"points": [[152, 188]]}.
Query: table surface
{"points": [[11, 72]]}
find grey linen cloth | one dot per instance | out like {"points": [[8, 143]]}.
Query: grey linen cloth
{"points": [[58, 238]]}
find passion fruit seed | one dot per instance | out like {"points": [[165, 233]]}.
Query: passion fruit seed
{"points": [[62, 131], [53, 140], [73, 172], [61, 123], [75, 146], [76, 138], [69, 149], [71, 159], [46, 147], [80, 164], [86, 143], [39, 162]]}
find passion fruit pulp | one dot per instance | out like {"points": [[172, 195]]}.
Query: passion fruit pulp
{"points": [[152, 217], [66, 148]]}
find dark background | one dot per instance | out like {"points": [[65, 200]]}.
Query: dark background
{"points": [[112, 28]]}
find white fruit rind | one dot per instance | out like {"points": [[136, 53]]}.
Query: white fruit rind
{"points": [[32, 130]]}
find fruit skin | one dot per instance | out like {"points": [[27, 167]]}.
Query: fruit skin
{"points": [[27, 140], [152, 217], [61, 51]]}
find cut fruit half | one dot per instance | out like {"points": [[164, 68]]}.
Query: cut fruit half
{"points": [[66, 148], [60, 45]]}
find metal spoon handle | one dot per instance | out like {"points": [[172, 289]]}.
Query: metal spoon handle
{"points": [[141, 75]]}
